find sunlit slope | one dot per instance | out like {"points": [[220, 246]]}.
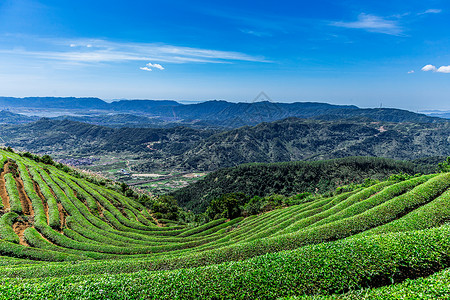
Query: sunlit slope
{"points": [[63, 236]]}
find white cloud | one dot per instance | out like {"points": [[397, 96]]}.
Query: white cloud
{"points": [[444, 69], [156, 66], [431, 11], [373, 24], [410, 72], [150, 67], [91, 51], [429, 68]]}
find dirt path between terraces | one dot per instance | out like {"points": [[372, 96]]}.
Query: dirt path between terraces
{"points": [[62, 215], [155, 219], [19, 228], [3, 193]]}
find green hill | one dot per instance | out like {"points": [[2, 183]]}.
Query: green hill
{"points": [[297, 139], [7, 117], [291, 178], [62, 237], [187, 149]]}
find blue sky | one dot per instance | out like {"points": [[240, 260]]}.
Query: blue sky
{"points": [[345, 52]]}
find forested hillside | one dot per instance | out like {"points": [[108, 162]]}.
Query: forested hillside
{"points": [[182, 148], [291, 178], [296, 139]]}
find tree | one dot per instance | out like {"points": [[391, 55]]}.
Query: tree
{"points": [[46, 159], [445, 165], [227, 206]]}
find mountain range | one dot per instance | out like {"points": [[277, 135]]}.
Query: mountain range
{"points": [[209, 114], [183, 148]]}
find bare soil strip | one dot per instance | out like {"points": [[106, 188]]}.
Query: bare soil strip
{"points": [[155, 219], [101, 209], [61, 210], [19, 227], [62, 215], [51, 190], [3, 193]]}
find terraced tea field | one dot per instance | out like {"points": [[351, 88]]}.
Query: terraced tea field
{"points": [[62, 237]]}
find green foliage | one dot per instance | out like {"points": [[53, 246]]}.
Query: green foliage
{"points": [[6, 231], [292, 178], [362, 235], [348, 266], [428, 288], [226, 206], [445, 165], [9, 149], [165, 207], [13, 194], [45, 159], [402, 177]]}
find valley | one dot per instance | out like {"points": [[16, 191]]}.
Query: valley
{"points": [[117, 212]]}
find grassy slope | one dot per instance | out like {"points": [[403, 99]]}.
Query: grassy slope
{"points": [[366, 238]]}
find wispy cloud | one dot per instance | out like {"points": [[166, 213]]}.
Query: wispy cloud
{"points": [[91, 51], [411, 71], [150, 67], [372, 23], [256, 33], [442, 69], [431, 11]]}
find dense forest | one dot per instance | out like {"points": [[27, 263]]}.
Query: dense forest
{"points": [[290, 178]]}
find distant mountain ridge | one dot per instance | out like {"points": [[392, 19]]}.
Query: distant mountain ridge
{"points": [[183, 148], [218, 113], [7, 117]]}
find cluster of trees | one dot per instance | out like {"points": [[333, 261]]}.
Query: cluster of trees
{"points": [[234, 205], [292, 178], [46, 159], [164, 207], [445, 165]]}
